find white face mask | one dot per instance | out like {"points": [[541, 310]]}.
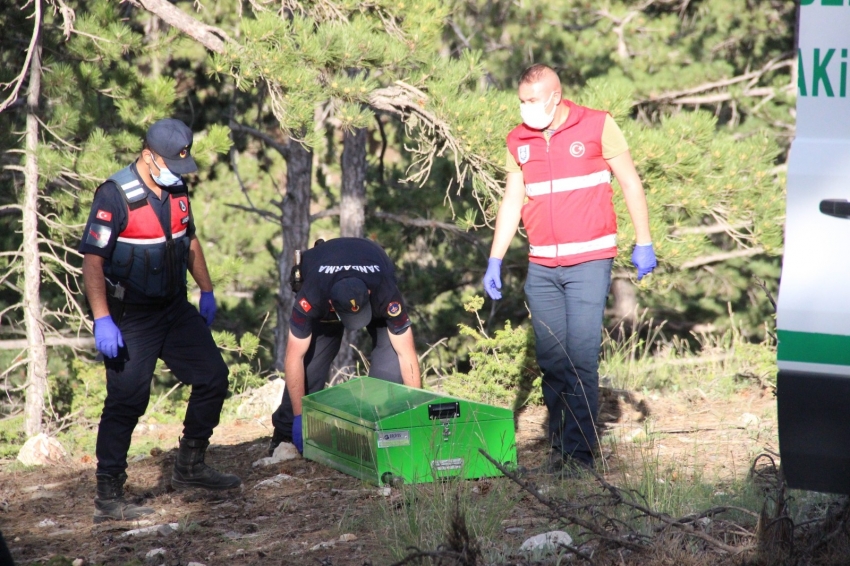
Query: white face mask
{"points": [[534, 114]]}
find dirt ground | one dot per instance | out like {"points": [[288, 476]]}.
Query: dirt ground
{"points": [[46, 513]]}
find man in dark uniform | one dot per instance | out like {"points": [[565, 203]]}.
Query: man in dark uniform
{"points": [[138, 244], [347, 283]]}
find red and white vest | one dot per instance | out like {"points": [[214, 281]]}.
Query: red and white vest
{"points": [[569, 213], [153, 261]]}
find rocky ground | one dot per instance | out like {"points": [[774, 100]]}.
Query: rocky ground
{"points": [[299, 512]]}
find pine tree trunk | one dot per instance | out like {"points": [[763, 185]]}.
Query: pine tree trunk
{"points": [[295, 223], [352, 217], [37, 366], [352, 207], [624, 304]]}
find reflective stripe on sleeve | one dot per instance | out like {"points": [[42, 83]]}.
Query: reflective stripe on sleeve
{"points": [[568, 184], [573, 248]]}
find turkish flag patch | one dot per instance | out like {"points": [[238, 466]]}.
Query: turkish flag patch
{"points": [[305, 305], [104, 215]]}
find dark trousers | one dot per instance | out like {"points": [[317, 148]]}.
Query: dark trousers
{"points": [[179, 336], [567, 305], [324, 346], [5, 555]]}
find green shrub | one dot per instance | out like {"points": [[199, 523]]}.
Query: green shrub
{"points": [[12, 436], [503, 366]]}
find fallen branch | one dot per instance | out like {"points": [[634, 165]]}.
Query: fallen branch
{"points": [[683, 526], [569, 518]]}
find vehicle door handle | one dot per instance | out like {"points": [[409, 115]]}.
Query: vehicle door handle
{"points": [[839, 208]]}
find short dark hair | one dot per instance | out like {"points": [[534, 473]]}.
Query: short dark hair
{"points": [[534, 73]]}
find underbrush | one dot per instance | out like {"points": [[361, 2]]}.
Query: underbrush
{"points": [[504, 369], [643, 358], [77, 393], [421, 515], [649, 511]]}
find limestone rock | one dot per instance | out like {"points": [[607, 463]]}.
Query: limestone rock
{"points": [[262, 401], [546, 541], [42, 450], [284, 451]]}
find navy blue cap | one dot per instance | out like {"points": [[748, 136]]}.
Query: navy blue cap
{"points": [[172, 140], [350, 300]]}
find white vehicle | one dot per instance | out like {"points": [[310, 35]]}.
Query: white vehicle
{"points": [[813, 320]]}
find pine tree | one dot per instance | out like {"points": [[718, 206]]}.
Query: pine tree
{"points": [[84, 120]]}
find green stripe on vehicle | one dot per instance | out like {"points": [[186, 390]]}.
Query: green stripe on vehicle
{"points": [[813, 348]]}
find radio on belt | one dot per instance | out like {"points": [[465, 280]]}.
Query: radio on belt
{"points": [[386, 433]]}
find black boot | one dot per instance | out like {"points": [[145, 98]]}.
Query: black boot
{"points": [[190, 470], [110, 505]]}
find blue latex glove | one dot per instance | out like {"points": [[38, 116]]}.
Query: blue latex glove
{"points": [[643, 257], [297, 437], [207, 307], [493, 278], [107, 336]]}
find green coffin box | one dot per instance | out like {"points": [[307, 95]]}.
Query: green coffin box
{"points": [[383, 433]]}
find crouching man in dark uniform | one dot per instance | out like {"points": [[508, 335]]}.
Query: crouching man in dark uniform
{"points": [[138, 244], [347, 283]]}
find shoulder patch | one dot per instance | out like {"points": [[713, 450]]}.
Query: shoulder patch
{"points": [[394, 308], [98, 235], [104, 215], [523, 152], [305, 304]]}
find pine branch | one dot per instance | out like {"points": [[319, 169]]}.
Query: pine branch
{"points": [[404, 220], [264, 214], [717, 258], [211, 37], [673, 96], [10, 209], [19, 80], [712, 229], [68, 17], [280, 147]]}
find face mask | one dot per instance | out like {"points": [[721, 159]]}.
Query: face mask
{"points": [[534, 113], [165, 178]]}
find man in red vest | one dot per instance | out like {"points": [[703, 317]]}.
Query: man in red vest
{"points": [[138, 245], [559, 166]]}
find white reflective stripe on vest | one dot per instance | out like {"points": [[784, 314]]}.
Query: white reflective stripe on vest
{"points": [[135, 193], [143, 241], [568, 184], [574, 248]]}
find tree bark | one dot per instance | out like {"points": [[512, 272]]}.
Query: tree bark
{"points": [[352, 209], [352, 218], [295, 224], [37, 365], [624, 305]]}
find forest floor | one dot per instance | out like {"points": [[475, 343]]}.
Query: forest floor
{"points": [[690, 451]]}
